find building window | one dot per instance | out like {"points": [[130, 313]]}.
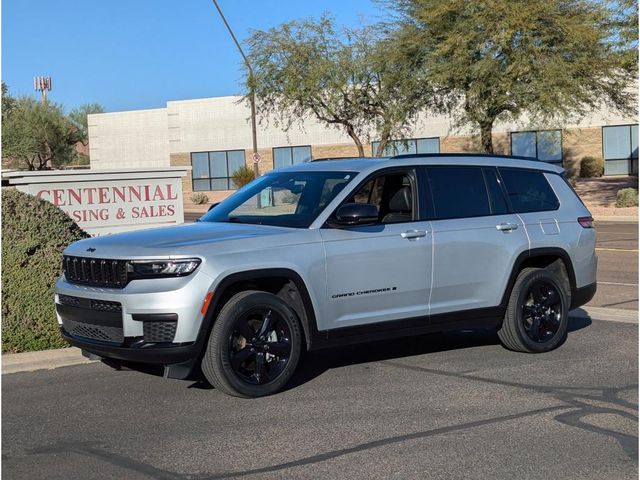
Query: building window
{"points": [[620, 149], [213, 170], [285, 156], [544, 145], [413, 145]]}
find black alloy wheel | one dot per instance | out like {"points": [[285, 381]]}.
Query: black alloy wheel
{"points": [[254, 345], [537, 314], [542, 311], [259, 345]]}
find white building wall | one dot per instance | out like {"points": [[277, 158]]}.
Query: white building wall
{"points": [[136, 138], [146, 138], [223, 123]]}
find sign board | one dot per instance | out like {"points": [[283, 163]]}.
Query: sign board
{"points": [[257, 157], [109, 201]]}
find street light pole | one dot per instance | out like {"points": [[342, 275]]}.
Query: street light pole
{"points": [[252, 96]]}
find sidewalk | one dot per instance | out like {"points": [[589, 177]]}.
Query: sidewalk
{"points": [[64, 357]]}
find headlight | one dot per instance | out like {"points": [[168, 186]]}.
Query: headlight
{"points": [[162, 268]]}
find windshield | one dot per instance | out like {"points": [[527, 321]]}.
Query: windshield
{"points": [[281, 199]]}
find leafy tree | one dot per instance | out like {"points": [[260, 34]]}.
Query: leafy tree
{"points": [[343, 78], [37, 135], [8, 102], [497, 60], [78, 117]]}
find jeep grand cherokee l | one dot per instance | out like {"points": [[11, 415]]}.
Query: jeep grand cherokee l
{"points": [[336, 252]]}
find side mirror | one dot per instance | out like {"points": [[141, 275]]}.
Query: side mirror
{"points": [[213, 205], [356, 214]]}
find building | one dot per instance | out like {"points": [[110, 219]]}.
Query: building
{"points": [[213, 136]]}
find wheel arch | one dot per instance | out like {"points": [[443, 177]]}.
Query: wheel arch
{"points": [[553, 258], [284, 282]]}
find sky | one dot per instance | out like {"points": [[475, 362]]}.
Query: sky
{"points": [[136, 54]]}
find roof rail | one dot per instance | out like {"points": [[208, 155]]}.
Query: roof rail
{"points": [[490, 155], [328, 159]]}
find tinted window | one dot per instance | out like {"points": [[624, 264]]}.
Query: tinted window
{"points": [[497, 201], [458, 192], [528, 190]]}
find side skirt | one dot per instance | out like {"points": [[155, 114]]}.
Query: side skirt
{"points": [[477, 318]]}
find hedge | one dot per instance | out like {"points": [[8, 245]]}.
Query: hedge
{"points": [[627, 197], [34, 234], [591, 167]]}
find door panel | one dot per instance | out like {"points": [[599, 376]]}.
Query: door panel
{"points": [[380, 272], [472, 260], [376, 274]]}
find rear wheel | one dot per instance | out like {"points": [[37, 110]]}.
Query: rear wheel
{"points": [[254, 345], [537, 314]]}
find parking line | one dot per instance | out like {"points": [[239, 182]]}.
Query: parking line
{"points": [[620, 284]]}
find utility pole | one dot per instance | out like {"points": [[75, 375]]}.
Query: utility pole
{"points": [[252, 96], [42, 85]]}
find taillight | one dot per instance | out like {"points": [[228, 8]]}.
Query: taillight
{"points": [[586, 222]]}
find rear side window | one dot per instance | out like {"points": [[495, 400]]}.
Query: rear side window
{"points": [[458, 192], [528, 190]]}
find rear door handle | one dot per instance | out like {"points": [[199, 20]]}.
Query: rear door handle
{"points": [[413, 234], [507, 227]]}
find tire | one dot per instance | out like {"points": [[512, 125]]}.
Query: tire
{"points": [[254, 346], [537, 313]]}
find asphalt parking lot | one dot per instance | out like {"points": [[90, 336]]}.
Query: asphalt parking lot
{"points": [[440, 406], [449, 406], [617, 249]]}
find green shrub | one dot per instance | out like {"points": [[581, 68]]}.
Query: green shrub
{"points": [[627, 197], [591, 167], [242, 176], [199, 198], [34, 233]]}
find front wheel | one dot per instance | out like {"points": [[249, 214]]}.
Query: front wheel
{"points": [[537, 314], [254, 345]]}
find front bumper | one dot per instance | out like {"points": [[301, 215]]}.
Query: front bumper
{"points": [[117, 324], [137, 351]]}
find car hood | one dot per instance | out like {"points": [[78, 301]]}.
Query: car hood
{"points": [[179, 240]]}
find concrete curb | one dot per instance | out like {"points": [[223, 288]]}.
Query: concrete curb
{"points": [[45, 359], [64, 357]]}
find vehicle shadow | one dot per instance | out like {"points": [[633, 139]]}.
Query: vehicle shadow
{"points": [[314, 364]]}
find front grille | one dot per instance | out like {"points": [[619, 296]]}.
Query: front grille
{"points": [[95, 271], [69, 300], [157, 332], [106, 306], [102, 305], [94, 332]]}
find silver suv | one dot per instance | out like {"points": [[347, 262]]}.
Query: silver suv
{"points": [[337, 252]]}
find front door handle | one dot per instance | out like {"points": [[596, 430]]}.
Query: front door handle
{"points": [[507, 227], [413, 234]]}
